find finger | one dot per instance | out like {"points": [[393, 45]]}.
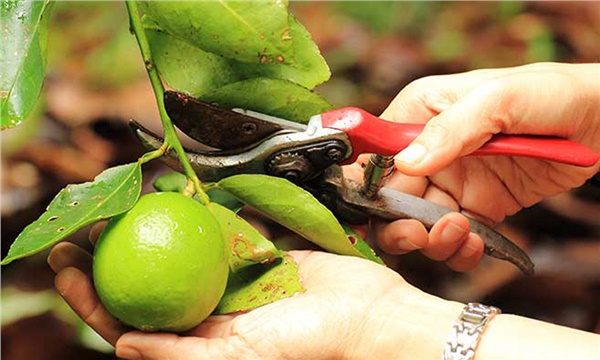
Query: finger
{"points": [[67, 254], [137, 345], [95, 231], [482, 219], [440, 197], [428, 96], [421, 100], [78, 291], [468, 255], [356, 170], [361, 230], [459, 130], [414, 185], [400, 236], [446, 236]]}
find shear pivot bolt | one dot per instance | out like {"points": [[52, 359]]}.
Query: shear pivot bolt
{"points": [[248, 128], [334, 154]]}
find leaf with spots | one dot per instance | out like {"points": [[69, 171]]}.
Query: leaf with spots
{"points": [[260, 284], [309, 69], [247, 246], [112, 192], [248, 31], [294, 208], [189, 69]]}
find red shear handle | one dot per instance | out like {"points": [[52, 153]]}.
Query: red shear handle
{"points": [[370, 134]]}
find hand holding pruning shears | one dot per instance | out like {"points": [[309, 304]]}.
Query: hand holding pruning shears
{"points": [[462, 111], [250, 142]]}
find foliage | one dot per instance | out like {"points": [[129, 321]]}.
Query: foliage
{"points": [[91, 50], [243, 51], [276, 97], [23, 57], [113, 192], [260, 284], [312, 220], [237, 54], [247, 245]]}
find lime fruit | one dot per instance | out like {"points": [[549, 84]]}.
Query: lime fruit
{"points": [[163, 265]]}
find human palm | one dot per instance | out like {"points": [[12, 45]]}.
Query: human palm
{"points": [[346, 298]]}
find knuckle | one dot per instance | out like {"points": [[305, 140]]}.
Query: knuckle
{"points": [[498, 101], [424, 85]]}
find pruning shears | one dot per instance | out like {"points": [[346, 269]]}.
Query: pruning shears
{"points": [[310, 156]]}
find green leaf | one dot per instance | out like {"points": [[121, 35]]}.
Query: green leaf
{"points": [[22, 57], [186, 67], [292, 207], [225, 199], [361, 245], [247, 246], [189, 69], [309, 69], [275, 97], [265, 283], [247, 31], [171, 182], [112, 192]]}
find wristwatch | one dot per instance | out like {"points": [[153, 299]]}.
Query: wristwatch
{"points": [[467, 330]]}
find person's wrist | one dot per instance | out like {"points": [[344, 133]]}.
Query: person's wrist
{"points": [[407, 324]]}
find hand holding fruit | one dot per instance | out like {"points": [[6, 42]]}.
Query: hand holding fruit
{"points": [[351, 308], [462, 111]]}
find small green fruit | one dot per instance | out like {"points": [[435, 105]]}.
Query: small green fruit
{"points": [[163, 265]]}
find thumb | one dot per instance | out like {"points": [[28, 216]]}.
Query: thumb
{"points": [[137, 346], [460, 129]]}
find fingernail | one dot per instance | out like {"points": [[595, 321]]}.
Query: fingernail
{"points": [[129, 353], [408, 245], [53, 262], [453, 233], [412, 155]]}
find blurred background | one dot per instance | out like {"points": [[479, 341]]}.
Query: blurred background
{"points": [[96, 82]]}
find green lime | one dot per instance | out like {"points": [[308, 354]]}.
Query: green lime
{"points": [[163, 265]]}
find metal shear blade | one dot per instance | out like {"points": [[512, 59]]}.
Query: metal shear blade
{"points": [[221, 128]]}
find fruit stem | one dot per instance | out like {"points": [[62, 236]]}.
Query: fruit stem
{"points": [[154, 154], [189, 189], [171, 139]]}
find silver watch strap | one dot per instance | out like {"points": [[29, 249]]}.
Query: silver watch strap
{"points": [[467, 330]]}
